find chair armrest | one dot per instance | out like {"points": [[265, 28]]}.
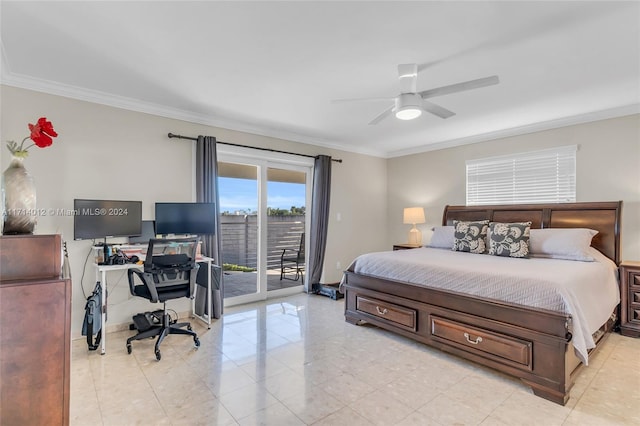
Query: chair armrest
{"points": [[143, 278], [293, 251], [131, 279], [193, 276]]}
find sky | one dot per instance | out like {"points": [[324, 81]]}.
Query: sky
{"points": [[242, 194]]}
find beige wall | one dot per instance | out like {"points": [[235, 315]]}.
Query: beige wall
{"points": [[608, 169], [110, 153]]}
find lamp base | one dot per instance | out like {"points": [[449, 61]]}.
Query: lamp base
{"points": [[415, 236]]}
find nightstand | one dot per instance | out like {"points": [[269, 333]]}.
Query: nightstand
{"points": [[630, 299], [405, 246]]}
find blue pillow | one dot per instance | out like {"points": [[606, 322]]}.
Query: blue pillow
{"points": [[443, 237]]}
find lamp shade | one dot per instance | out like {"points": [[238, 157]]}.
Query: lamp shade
{"points": [[414, 215]]}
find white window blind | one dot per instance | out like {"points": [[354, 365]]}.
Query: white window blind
{"points": [[547, 176]]}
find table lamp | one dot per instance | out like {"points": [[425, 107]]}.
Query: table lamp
{"points": [[413, 215]]}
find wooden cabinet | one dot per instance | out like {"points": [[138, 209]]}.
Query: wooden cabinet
{"points": [[630, 299], [35, 332], [24, 257], [405, 246]]}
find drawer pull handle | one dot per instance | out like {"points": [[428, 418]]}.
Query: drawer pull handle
{"points": [[381, 311], [473, 342]]}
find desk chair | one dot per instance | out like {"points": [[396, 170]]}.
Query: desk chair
{"points": [[170, 271], [292, 260]]}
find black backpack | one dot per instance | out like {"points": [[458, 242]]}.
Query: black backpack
{"points": [[93, 318]]}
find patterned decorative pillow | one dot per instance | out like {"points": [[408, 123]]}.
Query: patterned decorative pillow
{"points": [[509, 239], [470, 236]]}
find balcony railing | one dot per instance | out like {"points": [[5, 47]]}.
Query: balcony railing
{"points": [[239, 234]]}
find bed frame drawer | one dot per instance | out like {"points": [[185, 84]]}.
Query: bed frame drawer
{"points": [[489, 344], [399, 315]]}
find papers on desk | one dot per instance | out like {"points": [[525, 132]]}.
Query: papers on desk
{"points": [[131, 251]]}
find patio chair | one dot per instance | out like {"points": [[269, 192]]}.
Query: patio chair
{"points": [[292, 260]]}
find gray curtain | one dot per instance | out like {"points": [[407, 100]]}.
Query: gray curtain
{"points": [[321, 194], [207, 192]]}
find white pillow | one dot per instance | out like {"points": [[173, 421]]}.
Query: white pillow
{"points": [[562, 243], [442, 237]]}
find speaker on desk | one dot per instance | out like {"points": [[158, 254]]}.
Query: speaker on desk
{"points": [[202, 298]]}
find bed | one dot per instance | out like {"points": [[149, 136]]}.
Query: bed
{"points": [[462, 310]]}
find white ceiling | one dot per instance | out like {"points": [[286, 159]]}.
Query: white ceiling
{"points": [[272, 68]]}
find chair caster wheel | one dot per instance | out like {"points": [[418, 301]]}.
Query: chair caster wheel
{"points": [[189, 327], [158, 356], [196, 342], [129, 348]]}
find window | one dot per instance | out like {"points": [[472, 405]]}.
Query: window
{"points": [[547, 176]]}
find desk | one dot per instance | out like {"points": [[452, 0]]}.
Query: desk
{"points": [[101, 275]]}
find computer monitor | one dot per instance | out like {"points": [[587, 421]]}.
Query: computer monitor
{"points": [[148, 232], [185, 218], [94, 219]]}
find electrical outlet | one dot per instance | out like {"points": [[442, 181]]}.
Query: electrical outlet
{"points": [[338, 265]]}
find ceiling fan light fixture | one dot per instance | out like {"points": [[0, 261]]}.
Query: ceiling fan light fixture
{"points": [[408, 106], [408, 113]]}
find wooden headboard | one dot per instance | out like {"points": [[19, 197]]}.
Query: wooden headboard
{"points": [[604, 217]]}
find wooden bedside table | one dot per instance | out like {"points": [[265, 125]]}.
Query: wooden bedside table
{"points": [[630, 299], [405, 246]]}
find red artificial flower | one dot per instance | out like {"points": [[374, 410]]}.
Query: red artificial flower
{"points": [[42, 132]]}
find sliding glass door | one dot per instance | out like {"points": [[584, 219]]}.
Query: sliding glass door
{"points": [[286, 221], [264, 220], [239, 192]]}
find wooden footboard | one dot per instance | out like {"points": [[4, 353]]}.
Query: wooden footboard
{"points": [[531, 344]]}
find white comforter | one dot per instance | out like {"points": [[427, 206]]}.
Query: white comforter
{"points": [[588, 291]]}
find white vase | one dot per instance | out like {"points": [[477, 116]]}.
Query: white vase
{"points": [[18, 199]]}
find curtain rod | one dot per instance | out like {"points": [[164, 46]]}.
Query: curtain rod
{"points": [[171, 135]]}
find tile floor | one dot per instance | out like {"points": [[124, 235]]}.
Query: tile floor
{"points": [[295, 361]]}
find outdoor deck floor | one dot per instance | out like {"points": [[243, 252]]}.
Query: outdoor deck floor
{"points": [[240, 283]]}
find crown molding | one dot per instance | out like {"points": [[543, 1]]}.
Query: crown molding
{"points": [[522, 130], [73, 92], [68, 91]]}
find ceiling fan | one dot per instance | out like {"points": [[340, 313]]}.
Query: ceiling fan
{"points": [[410, 104]]}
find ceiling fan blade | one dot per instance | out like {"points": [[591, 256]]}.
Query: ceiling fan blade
{"points": [[459, 87], [437, 109], [383, 115], [408, 75], [339, 101]]}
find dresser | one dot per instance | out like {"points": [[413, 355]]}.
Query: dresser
{"points": [[630, 299], [35, 331]]}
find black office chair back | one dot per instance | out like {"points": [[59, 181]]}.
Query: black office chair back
{"points": [[170, 269], [179, 253]]}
